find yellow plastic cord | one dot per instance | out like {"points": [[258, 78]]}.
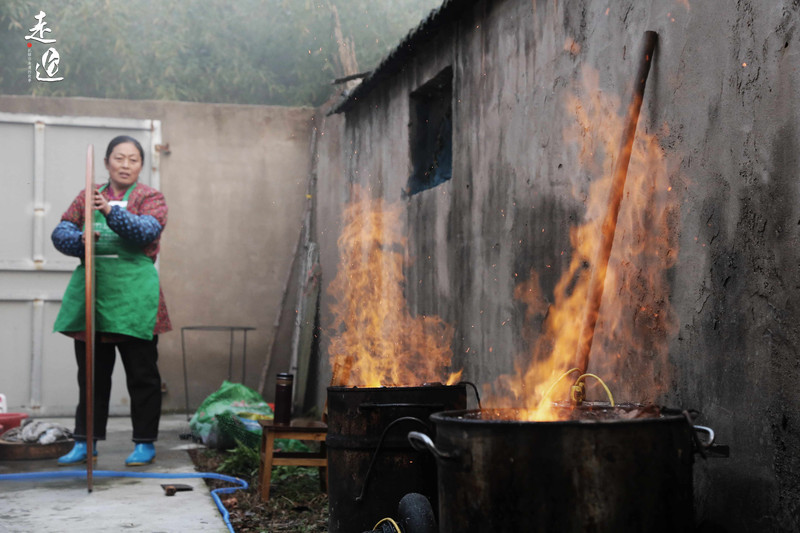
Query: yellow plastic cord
{"points": [[394, 524], [565, 374], [610, 397]]}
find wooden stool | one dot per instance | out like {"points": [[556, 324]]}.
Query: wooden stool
{"points": [[315, 431]]}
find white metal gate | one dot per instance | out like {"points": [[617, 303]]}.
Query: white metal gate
{"points": [[42, 169]]}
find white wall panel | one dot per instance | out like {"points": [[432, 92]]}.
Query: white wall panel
{"points": [[44, 169]]}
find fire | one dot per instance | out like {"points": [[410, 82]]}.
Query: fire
{"points": [[376, 341], [629, 351]]}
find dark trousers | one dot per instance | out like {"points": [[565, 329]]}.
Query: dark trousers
{"points": [[139, 357]]}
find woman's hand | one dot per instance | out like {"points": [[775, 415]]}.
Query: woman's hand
{"points": [[100, 203], [96, 237]]}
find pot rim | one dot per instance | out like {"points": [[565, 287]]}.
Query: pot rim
{"points": [[460, 417], [437, 386]]}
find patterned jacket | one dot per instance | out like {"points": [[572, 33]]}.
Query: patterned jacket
{"points": [[141, 224]]}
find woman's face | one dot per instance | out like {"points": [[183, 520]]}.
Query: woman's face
{"points": [[123, 165]]}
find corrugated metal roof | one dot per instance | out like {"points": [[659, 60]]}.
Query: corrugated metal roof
{"points": [[443, 15]]}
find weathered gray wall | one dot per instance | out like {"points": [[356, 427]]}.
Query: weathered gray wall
{"points": [[235, 183], [725, 84], [332, 192]]}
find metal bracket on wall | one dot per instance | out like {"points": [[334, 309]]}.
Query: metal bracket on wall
{"points": [[232, 330]]}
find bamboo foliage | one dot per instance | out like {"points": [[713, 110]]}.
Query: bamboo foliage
{"points": [[267, 52]]}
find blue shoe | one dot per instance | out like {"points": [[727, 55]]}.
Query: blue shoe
{"points": [[77, 455], [144, 453]]}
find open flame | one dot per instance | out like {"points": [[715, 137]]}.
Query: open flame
{"points": [[376, 341], [629, 350]]}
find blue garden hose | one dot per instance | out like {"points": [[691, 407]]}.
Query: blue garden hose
{"points": [[60, 474]]}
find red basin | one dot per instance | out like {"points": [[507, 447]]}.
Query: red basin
{"points": [[11, 420]]}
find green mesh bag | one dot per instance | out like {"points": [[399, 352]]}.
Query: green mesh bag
{"points": [[231, 429], [231, 399]]}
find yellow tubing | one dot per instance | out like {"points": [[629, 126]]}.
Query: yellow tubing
{"points": [[565, 374], [582, 377], [394, 524]]}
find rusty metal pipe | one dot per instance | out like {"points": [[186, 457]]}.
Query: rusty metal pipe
{"points": [[598, 279]]}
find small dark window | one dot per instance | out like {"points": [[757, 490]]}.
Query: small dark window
{"points": [[431, 133]]}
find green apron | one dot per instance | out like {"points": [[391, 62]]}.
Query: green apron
{"points": [[126, 287]]}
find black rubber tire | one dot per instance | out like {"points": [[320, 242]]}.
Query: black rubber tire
{"points": [[415, 514]]}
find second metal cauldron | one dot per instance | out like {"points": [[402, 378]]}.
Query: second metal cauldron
{"points": [[371, 465]]}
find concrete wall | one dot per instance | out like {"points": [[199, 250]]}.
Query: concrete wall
{"points": [[333, 192], [235, 181], [721, 100]]}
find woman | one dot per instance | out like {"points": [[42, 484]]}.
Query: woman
{"points": [[129, 309]]}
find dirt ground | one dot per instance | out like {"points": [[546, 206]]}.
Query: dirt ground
{"points": [[296, 503]]}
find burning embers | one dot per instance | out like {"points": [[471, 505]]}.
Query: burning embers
{"points": [[568, 411], [378, 343], [630, 337]]}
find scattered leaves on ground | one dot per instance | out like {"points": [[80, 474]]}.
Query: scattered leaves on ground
{"points": [[296, 502]]}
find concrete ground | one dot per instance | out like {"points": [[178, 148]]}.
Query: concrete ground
{"points": [[116, 503]]}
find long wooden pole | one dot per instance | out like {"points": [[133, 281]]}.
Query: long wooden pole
{"points": [[598, 279], [88, 231]]}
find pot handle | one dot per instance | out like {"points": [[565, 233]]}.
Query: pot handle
{"points": [[707, 430], [360, 497], [709, 449], [421, 442], [706, 449]]}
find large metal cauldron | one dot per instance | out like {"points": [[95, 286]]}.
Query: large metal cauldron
{"points": [[601, 475], [371, 464]]}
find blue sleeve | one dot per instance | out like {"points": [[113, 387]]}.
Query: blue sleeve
{"points": [[67, 239], [138, 229]]}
